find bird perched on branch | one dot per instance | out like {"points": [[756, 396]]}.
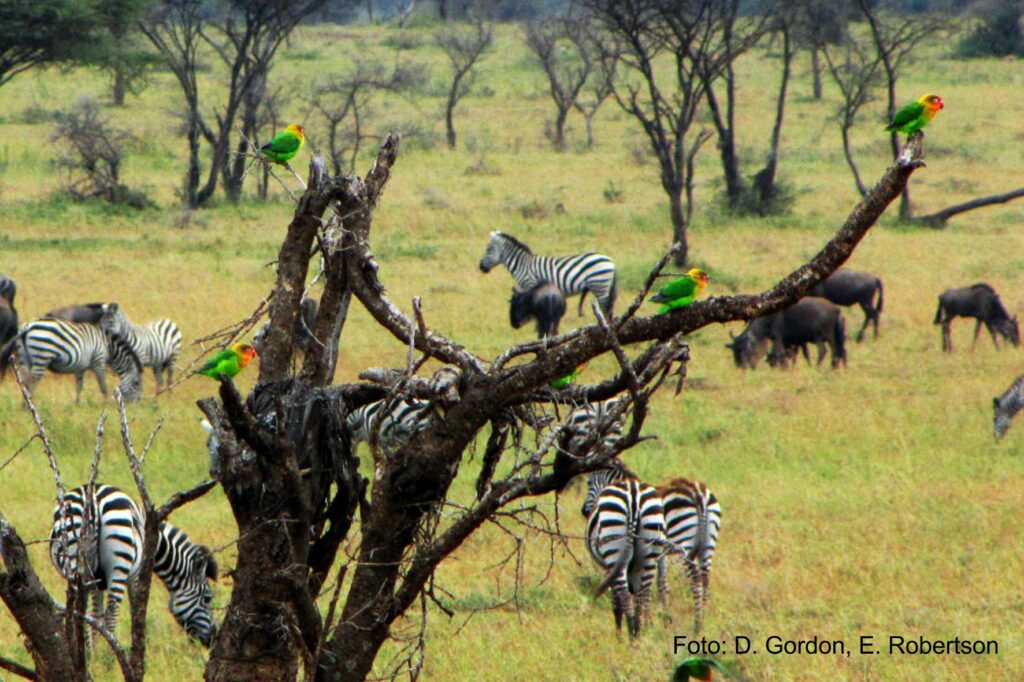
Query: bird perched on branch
{"points": [[566, 381], [228, 362], [681, 291], [285, 145], [916, 115]]}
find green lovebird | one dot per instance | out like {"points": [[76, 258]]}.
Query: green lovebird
{"points": [[681, 291], [285, 145], [565, 381], [695, 668], [916, 115], [228, 362]]}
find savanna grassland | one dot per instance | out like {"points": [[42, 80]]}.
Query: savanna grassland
{"points": [[871, 500]]}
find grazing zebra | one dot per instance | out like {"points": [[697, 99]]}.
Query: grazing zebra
{"points": [[115, 557], [156, 343], [392, 429], [692, 520], [626, 537], [582, 421], [586, 272], [1006, 406], [69, 347]]}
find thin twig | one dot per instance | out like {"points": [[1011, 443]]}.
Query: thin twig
{"points": [[133, 461], [648, 283]]}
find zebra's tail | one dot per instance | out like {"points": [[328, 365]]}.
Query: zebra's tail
{"points": [[625, 556]]}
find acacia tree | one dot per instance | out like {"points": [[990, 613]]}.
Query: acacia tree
{"points": [[285, 461], [464, 45], [39, 32], [568, 53], [245, 37]]}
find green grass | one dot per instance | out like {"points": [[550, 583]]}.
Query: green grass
{"points": [[866, 501]]}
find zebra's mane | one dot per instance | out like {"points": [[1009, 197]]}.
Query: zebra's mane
{"points": [[119, 342], [515, 241]]}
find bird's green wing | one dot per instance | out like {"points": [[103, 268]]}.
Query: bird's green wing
{"points": [[677, 288], [906, 115], [283, 143], [220, 357]]}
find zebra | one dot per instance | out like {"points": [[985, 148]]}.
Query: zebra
{"points": [[70, 347], [1006, 406], [157, 343], [392, 429], [614, 472], [115, 557], [583, 420], [580, 274], [693, 518], [626, 537]]}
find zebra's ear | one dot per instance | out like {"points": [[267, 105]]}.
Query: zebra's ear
{"points": [[995, 402], [211, 564]]}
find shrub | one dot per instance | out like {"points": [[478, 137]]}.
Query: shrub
{"points": [[998, 31]]}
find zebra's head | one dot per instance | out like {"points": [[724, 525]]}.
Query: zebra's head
{"points": [[615, 471], [126, 363], [192, 601], [492, 254], [113, 320], [1001, 419]]}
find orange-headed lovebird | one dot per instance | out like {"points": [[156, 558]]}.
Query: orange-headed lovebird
{"points": [[916, 115], [228, 362], [681, 291], [285, 145]]}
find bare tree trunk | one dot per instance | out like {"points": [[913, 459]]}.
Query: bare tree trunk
{"points": [[939, 218], [120, 85], [764, 180], [559, 141], [442, 10], [677, 213], [861, 187], [192, 174], [449, 112], [816, 71], [726, 144]]}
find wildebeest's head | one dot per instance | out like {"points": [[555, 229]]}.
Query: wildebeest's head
{"points": [[520, 308], [1009, 328], [748, 348]]}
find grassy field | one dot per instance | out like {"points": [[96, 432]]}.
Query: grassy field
{"points": [[868, 501]]}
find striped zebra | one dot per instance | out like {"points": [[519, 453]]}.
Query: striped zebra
{"points": [[157, 343], [693, 518], [583, 420], [388, 428], [70, 347], [115, 557], [580, 274], [626, 537], [1006, 406]]}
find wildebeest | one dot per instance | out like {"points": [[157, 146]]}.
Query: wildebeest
{"points": [[979, 301], [90, 313], [849, 287], [544, 302], [303, 327], [8, 289], [8, 318], [809, 320]]}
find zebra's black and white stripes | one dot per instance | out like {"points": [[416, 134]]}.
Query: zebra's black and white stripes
{"points": [[388, 423], [579, 274], [70, 347], [1006, 406], [157, 343], [626, 537], [105, 529], [583, 421], [693, 518], [109, 544]]}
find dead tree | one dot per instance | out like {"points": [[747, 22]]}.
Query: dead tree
{"points": [[765, 179], [568, 54], [464, 45], [640, 33], [285, 461]]}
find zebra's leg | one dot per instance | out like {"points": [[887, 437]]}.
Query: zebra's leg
{"points": [[663, 584], [622, 603], [693, 571], [79, 380], [101, 379], [97, 615], [158, 375]]}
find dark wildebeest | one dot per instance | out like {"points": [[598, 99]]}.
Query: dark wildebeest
{"points": [[544, 302], [8, 289], [979, 301], [809, 320], [849, 287], [303, 327], [90, 313]]}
